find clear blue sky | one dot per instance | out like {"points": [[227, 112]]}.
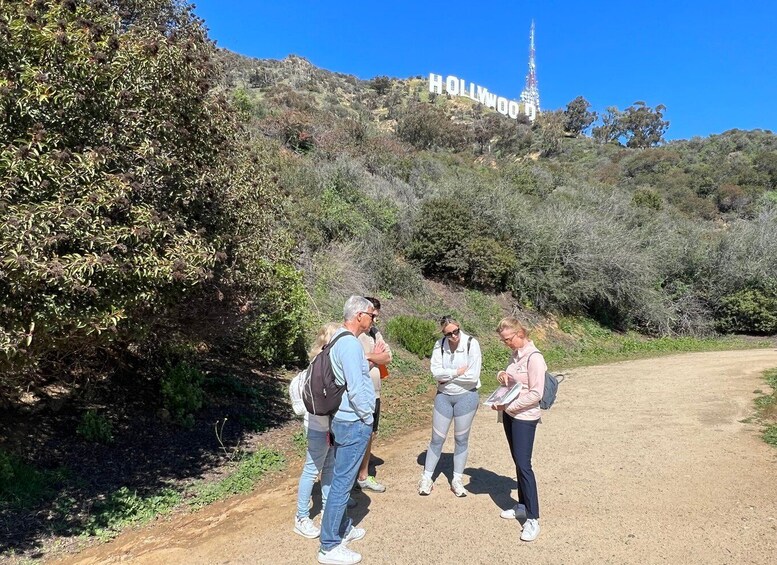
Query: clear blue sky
{"points": [[712, 63]]}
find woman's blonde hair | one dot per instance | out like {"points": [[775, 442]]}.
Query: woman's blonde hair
{"points": [[511, 323], [445, 320], [323, 337]]}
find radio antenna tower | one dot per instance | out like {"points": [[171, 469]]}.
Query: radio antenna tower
{"points": [[531, 94]]}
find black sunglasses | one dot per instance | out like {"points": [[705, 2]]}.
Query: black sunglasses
{"points": [[372, 316], [452, 333]]}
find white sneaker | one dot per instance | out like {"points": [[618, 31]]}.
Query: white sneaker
{"points": [[531, 529], [354, 534], [514, 512], [306, 528], [339, 555], [458, 488], [425, 486]]}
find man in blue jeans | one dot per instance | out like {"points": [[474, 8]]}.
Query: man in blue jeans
{"points": [[351, 429]]}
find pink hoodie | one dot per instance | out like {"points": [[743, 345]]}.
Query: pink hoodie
{"points": [[527, 405]]}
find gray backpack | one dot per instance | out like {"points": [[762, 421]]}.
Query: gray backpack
{"points": [[551, 386]]}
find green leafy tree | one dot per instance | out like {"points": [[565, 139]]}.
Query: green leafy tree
{"points": [[550, 126], [125, 183], [643, 126], [381, 84], [578, 116], [611, 128], [426, 126]]}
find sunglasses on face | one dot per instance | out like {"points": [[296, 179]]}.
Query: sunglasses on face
{"points": [[372, 316], [453, 333]]}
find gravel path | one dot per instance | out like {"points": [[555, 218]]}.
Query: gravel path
{"points": [[638, 462]]}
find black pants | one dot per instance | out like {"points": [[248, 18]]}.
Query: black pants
{"points": [[520, 438]]}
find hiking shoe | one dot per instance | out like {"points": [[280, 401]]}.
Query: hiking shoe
{"points": [[425, 486], [354, 534], [531, 529], [306, 528], [339, 555], [352, 502], [514, 512], [370, 484], [457, 488]]}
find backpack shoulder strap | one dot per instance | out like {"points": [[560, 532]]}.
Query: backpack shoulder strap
{"points": [[334, 340], [469, 342]]}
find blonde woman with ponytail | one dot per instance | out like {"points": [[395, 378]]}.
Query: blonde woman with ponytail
{"points": [[527, 366]]}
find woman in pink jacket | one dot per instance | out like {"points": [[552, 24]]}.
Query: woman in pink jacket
{"points": [[521, 417]]}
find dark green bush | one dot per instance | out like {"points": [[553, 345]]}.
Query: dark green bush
{"points": [[441, 229], [182, 393], [276, 335], [95, 427], [417, 335], [748, 311], [490, 263]]}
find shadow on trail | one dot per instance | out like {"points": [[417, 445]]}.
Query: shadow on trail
{"points": [[498, 487], [67, 486]]}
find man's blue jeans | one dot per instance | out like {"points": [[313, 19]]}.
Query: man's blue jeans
{"points": [[350, 444]]}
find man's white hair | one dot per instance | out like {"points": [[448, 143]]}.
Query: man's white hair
{"points": [[354, 305]]}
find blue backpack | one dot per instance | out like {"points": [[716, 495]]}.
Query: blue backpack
{"points": [[551, 387]]}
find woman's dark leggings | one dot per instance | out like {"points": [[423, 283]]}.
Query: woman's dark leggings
{"points": [[520, 438]]}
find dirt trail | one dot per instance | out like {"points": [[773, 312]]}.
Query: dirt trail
{"points": [[638, 462]]}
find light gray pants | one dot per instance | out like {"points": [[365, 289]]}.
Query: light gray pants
{"points": [[461, 409]]}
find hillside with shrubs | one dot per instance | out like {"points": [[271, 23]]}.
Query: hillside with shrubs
{"points": [[176, 221], [391, 185]]}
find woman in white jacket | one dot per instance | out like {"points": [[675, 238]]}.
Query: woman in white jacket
{"points": [[456, 361]]}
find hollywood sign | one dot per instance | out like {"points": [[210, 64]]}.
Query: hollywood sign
{"points": [[459, 87]]}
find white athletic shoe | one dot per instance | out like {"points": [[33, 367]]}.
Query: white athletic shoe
{"points": [[458, 488], [354, 534], [306, 528], [425, 486], [531, 529], [339, 555], [514, 512]]}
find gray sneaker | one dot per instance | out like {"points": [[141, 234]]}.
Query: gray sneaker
{"points": [[354, 534], [306, 528], [370, 484], [458, 488]]}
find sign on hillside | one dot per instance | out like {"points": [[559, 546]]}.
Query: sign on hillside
{"points": [[456, 86]]}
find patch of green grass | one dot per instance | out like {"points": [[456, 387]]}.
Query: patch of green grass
{"points": [[763, 402], [22, 485], [591, 350], [770, 376], [766, 408], [770, 435], [95, 427], [300, 442], [248, 471], [126, 507], [485, 312], [403, 363]]}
